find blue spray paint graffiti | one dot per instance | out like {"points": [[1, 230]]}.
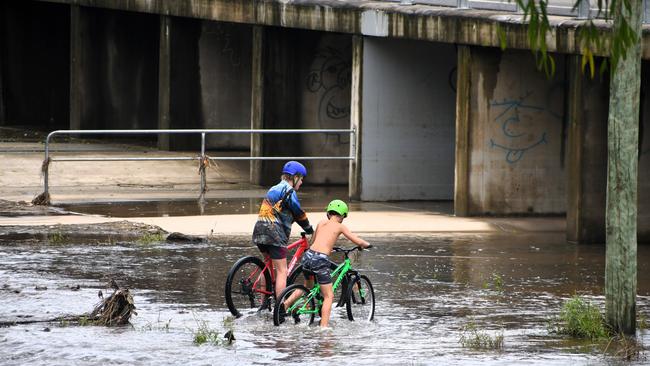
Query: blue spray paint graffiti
{"points": [[513, 128]]}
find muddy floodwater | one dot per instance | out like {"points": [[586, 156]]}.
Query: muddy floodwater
{"points": [[428, 289]]}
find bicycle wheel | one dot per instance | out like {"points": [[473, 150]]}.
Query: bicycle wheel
{"points": [[294, 306], [296, 276], [360, 302], [248, 286]]}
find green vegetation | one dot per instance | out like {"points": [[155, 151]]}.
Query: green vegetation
{"points": [[84, 321], [476, 339], [580, 319], [56, 238], [150, 238], [495, 282], [642, 322], [205, 334], [159, 326]]}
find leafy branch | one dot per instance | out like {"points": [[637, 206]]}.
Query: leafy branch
{"points": [[591, 38]]}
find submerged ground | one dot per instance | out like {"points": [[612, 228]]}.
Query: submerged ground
{"points": [[429, 289]]}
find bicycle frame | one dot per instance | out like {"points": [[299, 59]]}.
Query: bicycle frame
{"points": [[302, 244], [339, 272]]}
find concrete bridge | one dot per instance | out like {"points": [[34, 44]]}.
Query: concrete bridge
{"points": [[442, 113]]}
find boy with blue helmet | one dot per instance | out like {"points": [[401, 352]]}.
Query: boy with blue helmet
{"points": [[279, 209]]}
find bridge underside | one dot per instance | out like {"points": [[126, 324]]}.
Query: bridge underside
{"points": [[441, 112]]}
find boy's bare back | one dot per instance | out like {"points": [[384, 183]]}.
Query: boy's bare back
{"points": [[328, 231]]}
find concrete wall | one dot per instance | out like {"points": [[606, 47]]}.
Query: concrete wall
{"points": [[186, 108], [225, 77], [210, 73], [587, 181], [34, 64], [116, 69], [587, 155], [307, 85], [407, 96], [517, 135]]}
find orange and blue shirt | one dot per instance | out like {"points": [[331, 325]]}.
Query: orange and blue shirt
{"points": [[280, 209]]}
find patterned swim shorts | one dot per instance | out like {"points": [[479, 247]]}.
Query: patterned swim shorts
{"points": [[315, 263]]}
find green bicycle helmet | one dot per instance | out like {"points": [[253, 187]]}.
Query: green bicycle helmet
{"points": [[339, 207]]}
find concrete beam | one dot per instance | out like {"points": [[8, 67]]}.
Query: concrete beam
{"points": [[422, 22]]}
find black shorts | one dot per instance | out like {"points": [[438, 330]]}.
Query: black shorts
{"points": [[315, 263], [273, 251]]}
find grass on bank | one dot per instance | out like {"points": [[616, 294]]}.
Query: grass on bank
{"points": [[150, 238], [582, 320]]}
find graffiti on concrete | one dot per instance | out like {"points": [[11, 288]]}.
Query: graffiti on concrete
{"points": [[330, 78], [224, 40], [517, 134]]}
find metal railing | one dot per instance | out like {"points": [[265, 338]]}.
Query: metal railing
{"points": [[204, 159]]}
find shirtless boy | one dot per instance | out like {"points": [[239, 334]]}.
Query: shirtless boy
{"points": [[316, 260]]}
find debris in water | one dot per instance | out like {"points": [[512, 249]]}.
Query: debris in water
{"points": [[115, 309]]}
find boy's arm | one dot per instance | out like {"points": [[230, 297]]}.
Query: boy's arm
{"points": [[353, 238], [298, 214]]}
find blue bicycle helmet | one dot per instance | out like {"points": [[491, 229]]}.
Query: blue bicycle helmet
{"points": [[294, 168]]}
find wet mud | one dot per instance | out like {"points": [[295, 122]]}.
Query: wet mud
{"points": [[16, 209], [428, 289], [102, 233]]}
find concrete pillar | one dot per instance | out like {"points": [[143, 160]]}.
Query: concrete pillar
{"points": [[463, 83], [164, 81], [516, 135], [586, 156], [574, 222], [356, 122], [257, 102], [78, 34]]}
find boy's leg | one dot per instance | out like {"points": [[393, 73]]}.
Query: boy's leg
{"points": [[280, 266], [328, 297], [309, 283]]}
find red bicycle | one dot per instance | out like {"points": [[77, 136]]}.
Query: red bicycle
{"points": [[250, 281]]}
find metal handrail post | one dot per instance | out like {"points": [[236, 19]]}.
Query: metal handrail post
{"points": [[353, 142], [46, 163], [202, 165]]}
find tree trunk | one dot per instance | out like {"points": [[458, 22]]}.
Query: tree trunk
{"points": [[622, 169]]}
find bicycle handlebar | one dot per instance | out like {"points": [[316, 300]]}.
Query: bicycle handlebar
{"points": [[348, 251]]}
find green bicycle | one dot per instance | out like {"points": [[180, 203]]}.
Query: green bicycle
{"points": [[359, 296]]}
